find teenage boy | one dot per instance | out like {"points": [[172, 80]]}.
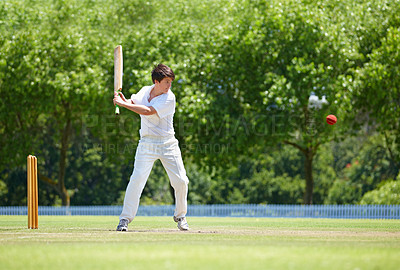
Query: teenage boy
{"points": [[156, 106]]}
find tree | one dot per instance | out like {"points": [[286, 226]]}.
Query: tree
{"points": [[378, 91], [246, 71], [275, 59], [266, 68], [54, 78]]}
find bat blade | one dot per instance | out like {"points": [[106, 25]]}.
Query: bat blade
{"points": [[118, 71]]}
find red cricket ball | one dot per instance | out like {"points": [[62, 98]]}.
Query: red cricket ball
{"points": [[331, 119]]}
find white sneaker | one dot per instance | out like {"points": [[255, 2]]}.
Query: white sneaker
{"points": [[123, 225], [182, 223]]}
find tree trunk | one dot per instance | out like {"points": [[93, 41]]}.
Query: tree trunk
{"points": [[65, 198], [309, 153], [308, 194], [59, 186]]}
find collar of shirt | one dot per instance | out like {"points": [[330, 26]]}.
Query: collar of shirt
{"points": [[148, 94]]}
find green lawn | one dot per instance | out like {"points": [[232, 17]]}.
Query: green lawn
{"points": [[90, 242]]}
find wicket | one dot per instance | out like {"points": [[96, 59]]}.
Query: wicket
{"points": [[33, 215]]}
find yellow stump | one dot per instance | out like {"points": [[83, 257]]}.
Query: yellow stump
{"points": [[33, 214]]}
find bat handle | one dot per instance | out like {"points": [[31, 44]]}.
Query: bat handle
{"points": [[116, 106]]}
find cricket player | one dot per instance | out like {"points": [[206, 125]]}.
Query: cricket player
{"points": [[156, 106]]}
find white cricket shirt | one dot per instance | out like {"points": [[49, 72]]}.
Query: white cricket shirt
{"points": [[161, 123]]}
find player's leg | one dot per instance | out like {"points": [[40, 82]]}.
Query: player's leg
{"points": [[144, 161], [135, 188], [173, 164]]}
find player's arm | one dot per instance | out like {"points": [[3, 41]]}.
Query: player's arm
{"points": [[139, 109], [128, 104]]}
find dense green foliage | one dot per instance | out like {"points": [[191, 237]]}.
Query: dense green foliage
{"points": [[245, 72], [388, 193]]}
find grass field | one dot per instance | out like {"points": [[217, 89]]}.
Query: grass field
{"points": [[90, 242]]}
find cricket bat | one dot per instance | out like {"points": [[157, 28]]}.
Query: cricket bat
{"points": [[118, 67]]}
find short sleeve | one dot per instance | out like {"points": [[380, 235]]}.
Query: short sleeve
{"points": [[138, 97], [133, 98], [165, 106]]}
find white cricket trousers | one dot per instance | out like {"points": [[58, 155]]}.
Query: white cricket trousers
{"points": [[150, 149]]}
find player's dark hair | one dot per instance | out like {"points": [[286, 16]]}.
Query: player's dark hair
{"points": [[162, 71]]}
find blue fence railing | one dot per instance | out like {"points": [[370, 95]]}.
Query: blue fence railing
{"points": [[228, 210]]}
